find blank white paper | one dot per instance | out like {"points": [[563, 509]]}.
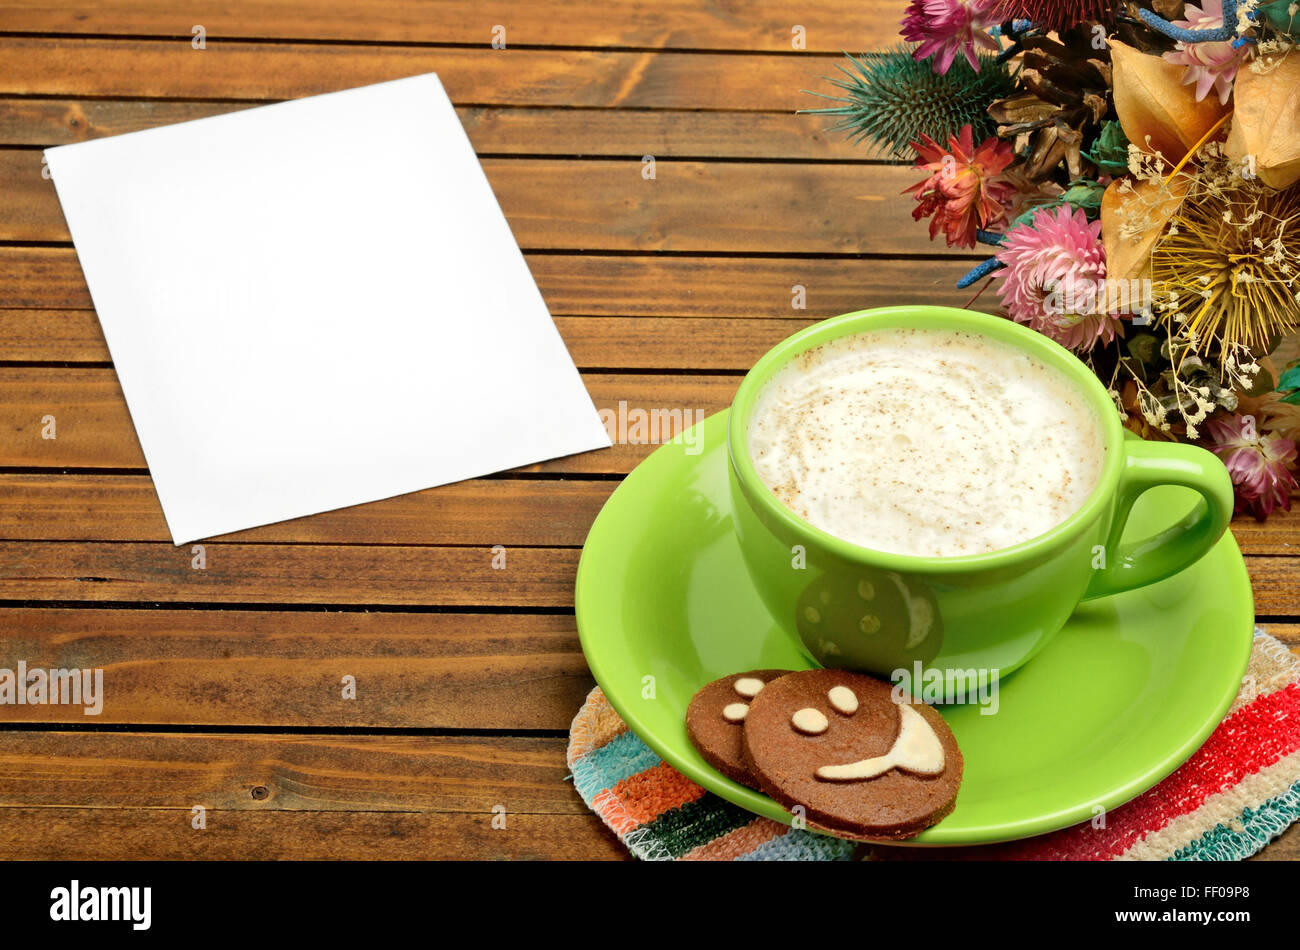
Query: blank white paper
{"points": [[315, 304]]}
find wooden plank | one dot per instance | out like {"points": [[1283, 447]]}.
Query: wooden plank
{"points": [[616, 286], [398, 575], [72, 336], [255, 668], [171, 69], [607, 205], [1279, 535], [42, 277], [1288, 633], [285, 668], [658, 343], [670, 24], [393, 575], [261, 773], [1276, 584], [93, 428], [132, 834], [555, 512], [501, 131]]}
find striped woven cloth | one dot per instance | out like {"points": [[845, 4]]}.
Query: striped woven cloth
{"points": [[1234, 795]]}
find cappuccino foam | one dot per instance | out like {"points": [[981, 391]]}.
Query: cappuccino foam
{"points": [[934, 443]]}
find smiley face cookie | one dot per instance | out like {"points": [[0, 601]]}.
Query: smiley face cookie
{"points": [[860, 765], [716, 716]]}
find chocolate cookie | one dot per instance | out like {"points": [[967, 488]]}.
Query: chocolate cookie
{"points": [[860, 765], [715, 718]]}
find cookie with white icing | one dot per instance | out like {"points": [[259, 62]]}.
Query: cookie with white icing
{"points": [[715, 720], [860, 765]]}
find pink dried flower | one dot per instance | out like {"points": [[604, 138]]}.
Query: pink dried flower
{"points": [[944, 28], [1210, 65], [1260, 465], [966, 190], [1055, 278]]}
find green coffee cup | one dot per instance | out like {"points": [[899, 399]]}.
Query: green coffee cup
{"points": [[976, 616]]}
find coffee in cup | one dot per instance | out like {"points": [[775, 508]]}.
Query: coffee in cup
{"points": [[926, 442]]}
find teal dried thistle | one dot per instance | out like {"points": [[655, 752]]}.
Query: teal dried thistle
{"points": [[1110, 150], [891, 100]]}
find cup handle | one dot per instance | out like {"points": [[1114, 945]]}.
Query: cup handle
{"points": [[1149, 465]]}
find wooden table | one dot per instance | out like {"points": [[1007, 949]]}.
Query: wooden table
{"points": [[224, 682]]}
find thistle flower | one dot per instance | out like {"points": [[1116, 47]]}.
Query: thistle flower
{"points": [[1260, 465], [890, 99], [1055, 278], [944, 28], [966, 191], [1057, 15], [1210, 65]]}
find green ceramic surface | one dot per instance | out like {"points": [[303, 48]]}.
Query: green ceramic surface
{"points": [[977, 615], [1118, 699]]}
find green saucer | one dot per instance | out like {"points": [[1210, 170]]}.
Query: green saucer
{"points": [[1120, 698]]}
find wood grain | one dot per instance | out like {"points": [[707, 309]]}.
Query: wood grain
{"points": [[94, 431], [550, 512], [595, 343], [171, 69], [108, 572], [259, 668], [688, 343], [1288, 633], [1273, 580], [1280, 535], [630, 133], [387, 575], [608, 205], [131, 834], [763, 25], [279, 668], [93, 427], [543, 512], [644, 285], [262, 773]]}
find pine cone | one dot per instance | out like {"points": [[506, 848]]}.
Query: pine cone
{"points": [[1065, 98]]}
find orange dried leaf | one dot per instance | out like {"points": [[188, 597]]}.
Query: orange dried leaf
{"points": [[1132, 220], [1265, 135], [1152, 101]]}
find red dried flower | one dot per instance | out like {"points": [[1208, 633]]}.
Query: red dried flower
{"points": [[966, 190]]}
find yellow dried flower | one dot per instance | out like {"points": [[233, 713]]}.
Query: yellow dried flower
{"points": [[1211, 252]]}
